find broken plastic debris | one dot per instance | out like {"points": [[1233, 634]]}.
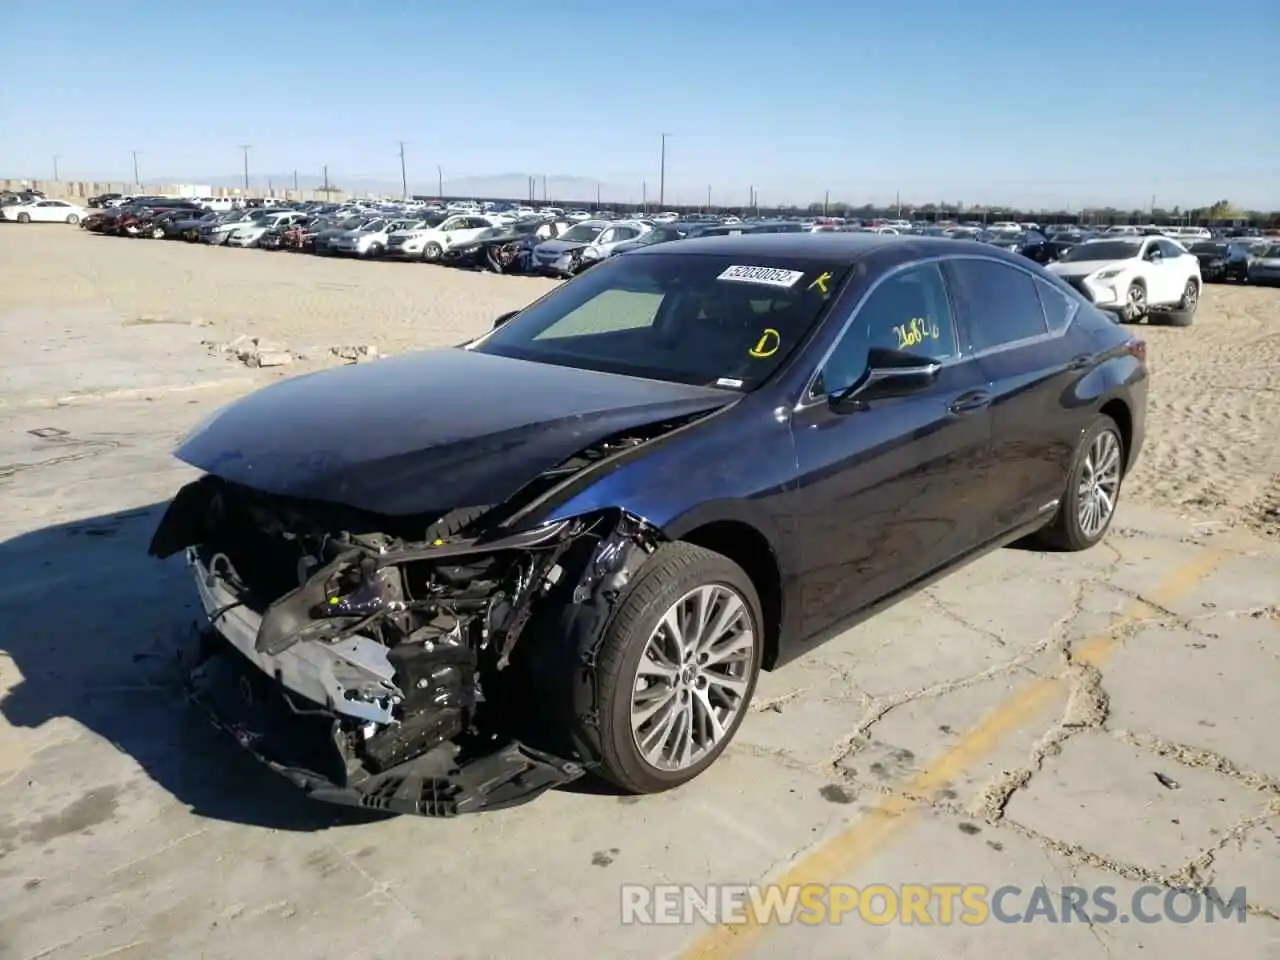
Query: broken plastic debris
{"points": [[1167, 782]]}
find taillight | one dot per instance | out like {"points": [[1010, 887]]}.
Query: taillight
{"points": [[1137, 348]]}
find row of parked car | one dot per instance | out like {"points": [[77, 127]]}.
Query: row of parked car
{"points": [[1116, 267]]}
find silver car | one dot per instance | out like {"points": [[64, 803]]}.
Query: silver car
{"points": [[1265, 266]]}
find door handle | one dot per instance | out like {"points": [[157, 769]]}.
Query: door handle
{"points": [[970, 402], [1080, 362]]}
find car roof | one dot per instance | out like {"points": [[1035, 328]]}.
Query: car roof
{"points": [[835, 247]]}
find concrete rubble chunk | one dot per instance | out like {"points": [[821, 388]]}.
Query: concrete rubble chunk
{"points": [[270, 358], [362, 353]]}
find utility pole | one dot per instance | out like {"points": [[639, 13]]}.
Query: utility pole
{"points": [[662, 172], [326, 182], [404, 176], [597, 195], [826, 201], [644, 195], [897, 202], [544, 188], [244, 148], [56, 158], [295, 181], [440, 181], [708, 198], [137, 180]]}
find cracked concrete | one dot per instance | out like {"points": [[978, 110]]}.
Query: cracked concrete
{"points": [[1097, 720]]}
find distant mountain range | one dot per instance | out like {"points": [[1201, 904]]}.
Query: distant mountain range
{"points": [[514, 186]]}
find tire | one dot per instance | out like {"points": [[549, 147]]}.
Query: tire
{"points": [[1066, 531], [1184, 313], [73, 219], [1135, 304], [157, 233], [674, 572], [374, 251], [432, 252], [24, 218]]}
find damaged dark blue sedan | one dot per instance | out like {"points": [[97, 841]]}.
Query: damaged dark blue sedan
{"points": [[451, 580]]}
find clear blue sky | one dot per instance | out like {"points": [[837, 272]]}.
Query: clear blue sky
{"points": [[979, 101]]}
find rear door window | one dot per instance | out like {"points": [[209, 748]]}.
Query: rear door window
{"points": [[1001, 303]]}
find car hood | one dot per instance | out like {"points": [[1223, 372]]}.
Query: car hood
{"points": [[558, 246], [1271, 263], [1082, 268], [427, 431]]}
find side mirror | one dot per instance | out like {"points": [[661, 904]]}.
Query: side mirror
{"points": [[504, 318], [890, 373]]}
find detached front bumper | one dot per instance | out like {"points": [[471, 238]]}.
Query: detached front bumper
{"points": [[292, 711]]}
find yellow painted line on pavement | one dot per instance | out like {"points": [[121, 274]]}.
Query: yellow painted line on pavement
{"points": [[841, 855]]}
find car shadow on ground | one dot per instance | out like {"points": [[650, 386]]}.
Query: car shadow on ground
{"points": [[104, 634]]}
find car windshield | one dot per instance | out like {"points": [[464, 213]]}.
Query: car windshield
{"points": [[1272, 252], [581, 233], [1103, 250], [710, 320]]}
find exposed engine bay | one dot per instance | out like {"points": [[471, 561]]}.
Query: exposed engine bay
{"points": [[411, 664]]}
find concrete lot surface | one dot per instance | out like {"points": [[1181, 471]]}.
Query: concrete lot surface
{"points": [[1102, 720]]}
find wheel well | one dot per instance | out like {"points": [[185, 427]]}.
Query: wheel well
{"points": [[1118, 411], [747, 547]]}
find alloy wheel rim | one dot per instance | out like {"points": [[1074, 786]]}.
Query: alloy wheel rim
{"points": [[1099, 484], [1136, 300], [1189, 295], [691, 682]]}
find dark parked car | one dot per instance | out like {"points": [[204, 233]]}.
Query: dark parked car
{"points": [[504, 249], [572, 544], [1222, 260], [659, 234], [1030, 244]]}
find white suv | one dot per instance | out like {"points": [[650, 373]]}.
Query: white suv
{"points": [[430, 243], [1134, 277]]}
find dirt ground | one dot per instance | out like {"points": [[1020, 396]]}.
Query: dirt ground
{"points": [[1104, 720]]}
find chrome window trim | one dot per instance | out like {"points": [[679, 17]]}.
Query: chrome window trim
{"points": [[810, 399]]}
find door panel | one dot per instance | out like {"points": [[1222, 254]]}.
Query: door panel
{"points": [[886, 494], [1030, 371]]}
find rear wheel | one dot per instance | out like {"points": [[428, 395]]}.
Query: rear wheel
{"points": [[1093, 491], [432, 252], [72, 219], [24, 218], [676, 669]]}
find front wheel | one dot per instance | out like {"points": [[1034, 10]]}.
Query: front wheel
{"points": [[676, 668], [72, 219], [24, 218], [374, 251], [1183, 314], [1135, 303], [1093, 491], [432, 253]]}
